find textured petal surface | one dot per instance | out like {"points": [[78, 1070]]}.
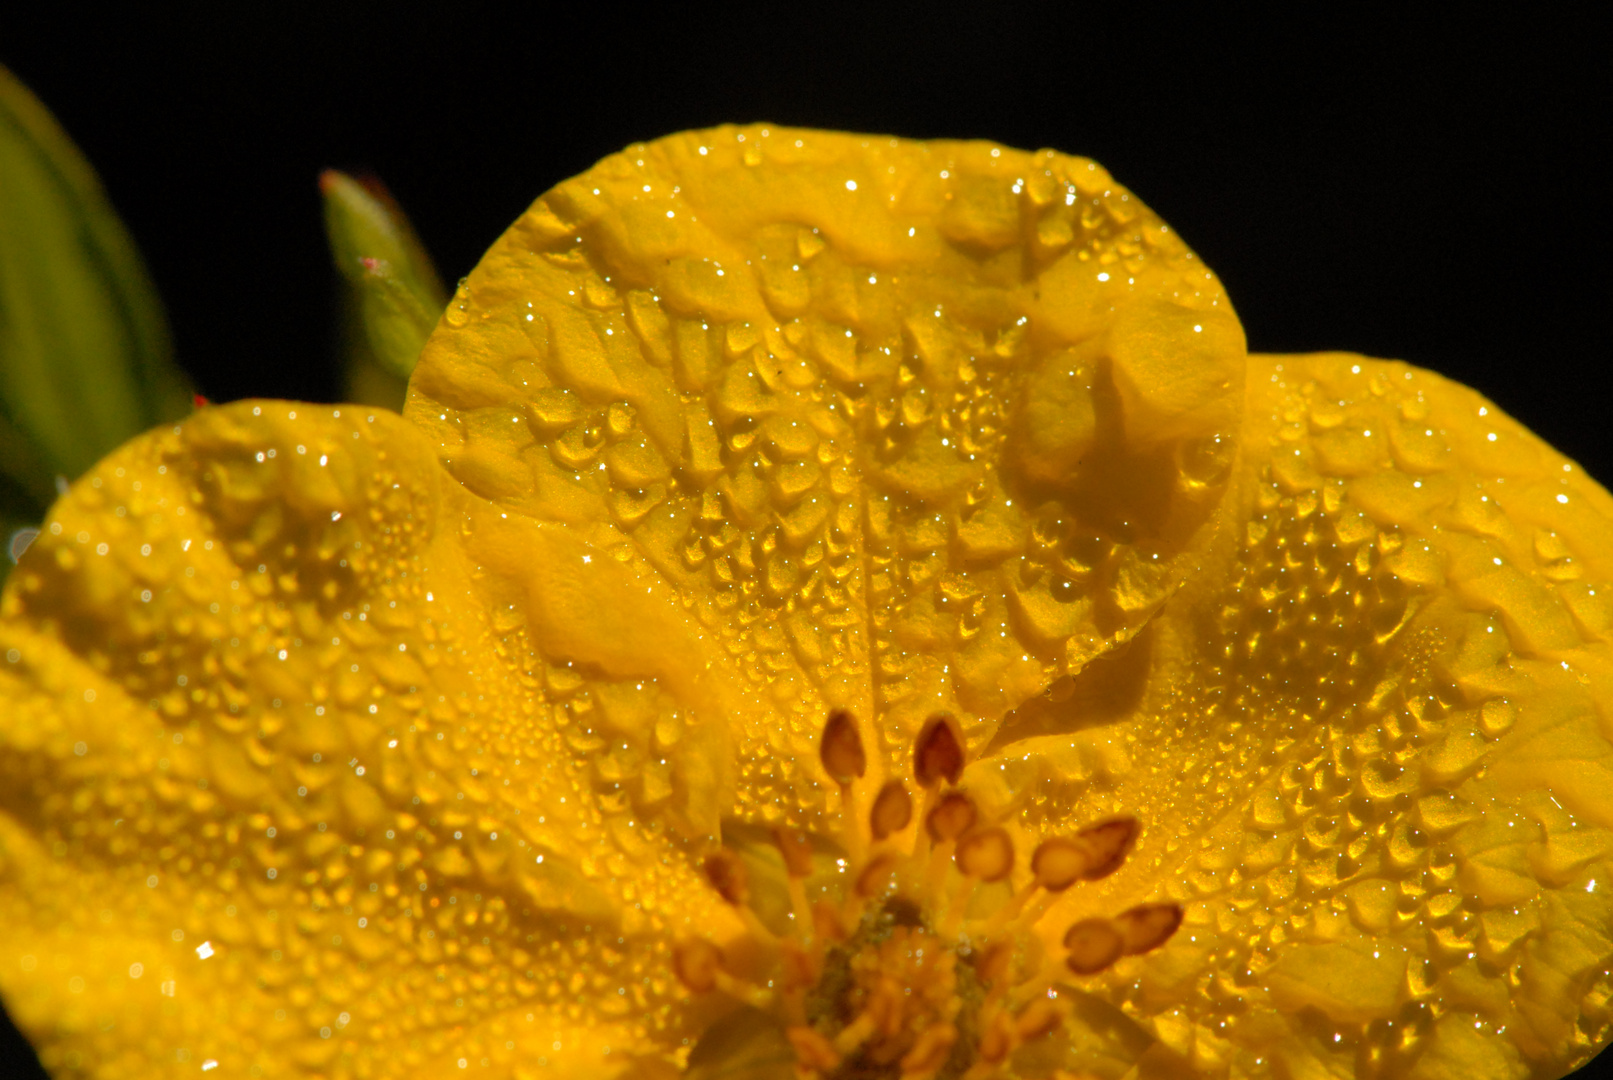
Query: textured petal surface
{"points": [[907, 426], [1371, 747], [338, 744], [269, 800]]}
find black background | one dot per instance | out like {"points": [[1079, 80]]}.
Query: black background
{"points": [[1420, 190]]}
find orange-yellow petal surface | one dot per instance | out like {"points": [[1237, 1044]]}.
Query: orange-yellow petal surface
{"points": [[907, 426], [337, 744], [274, 798], [1371, 746]]}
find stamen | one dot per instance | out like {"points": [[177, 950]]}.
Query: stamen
{"points": [[1015, 913], [893, 809], [696, 962], [1094, 944], [953, 816], [842, 749], [728, 876], [875, 876], [1058, 863], [732, 882], [987, 855], [993, 966], [796, 847], [1148, 926], [938, 751], [866, 979], [1106, 846], [947, 820]]}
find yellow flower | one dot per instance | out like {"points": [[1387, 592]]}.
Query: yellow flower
{"points": [[833, 606]]}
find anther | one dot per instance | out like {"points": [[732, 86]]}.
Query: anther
{"points": [[1040, 1017], [1147, 926], [728, 876], [987, 855], [1106, 846], [875, 876], [696, 962], [950, 818], [1058, 863], [938, 751], [796, 847], [1094, 944], [993, 965], [893, 809], [842, 748]]}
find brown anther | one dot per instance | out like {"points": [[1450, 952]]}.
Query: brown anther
{"points": [[728, 876], [796, 847], [994, 965], [930, 1050], [812, 1050], [1148, 926], [875, 876], [696, 961], [827, 923], [950, 818], [893, 809], [1094, 944], [938, 751], [987, 855], [1058, 863], [842, 748], [1041, 1017], [1106, 846]]}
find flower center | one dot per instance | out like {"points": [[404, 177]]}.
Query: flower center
{"points": [[893, 988], [922, 962]]}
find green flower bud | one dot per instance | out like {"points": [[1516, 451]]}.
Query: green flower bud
{"points": [[394, 297]]}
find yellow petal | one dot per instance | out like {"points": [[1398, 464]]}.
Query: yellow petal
{"points": [[285, 787], [894, 448], [1367, 745], [740, 427]]}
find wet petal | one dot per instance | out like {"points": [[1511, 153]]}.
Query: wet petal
{"points": [[1367, 745], [908, 426], [742, 428], [273, 755]]}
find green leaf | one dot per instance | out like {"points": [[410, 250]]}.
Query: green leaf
{"points": [[85, 357], [394, 295]]}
